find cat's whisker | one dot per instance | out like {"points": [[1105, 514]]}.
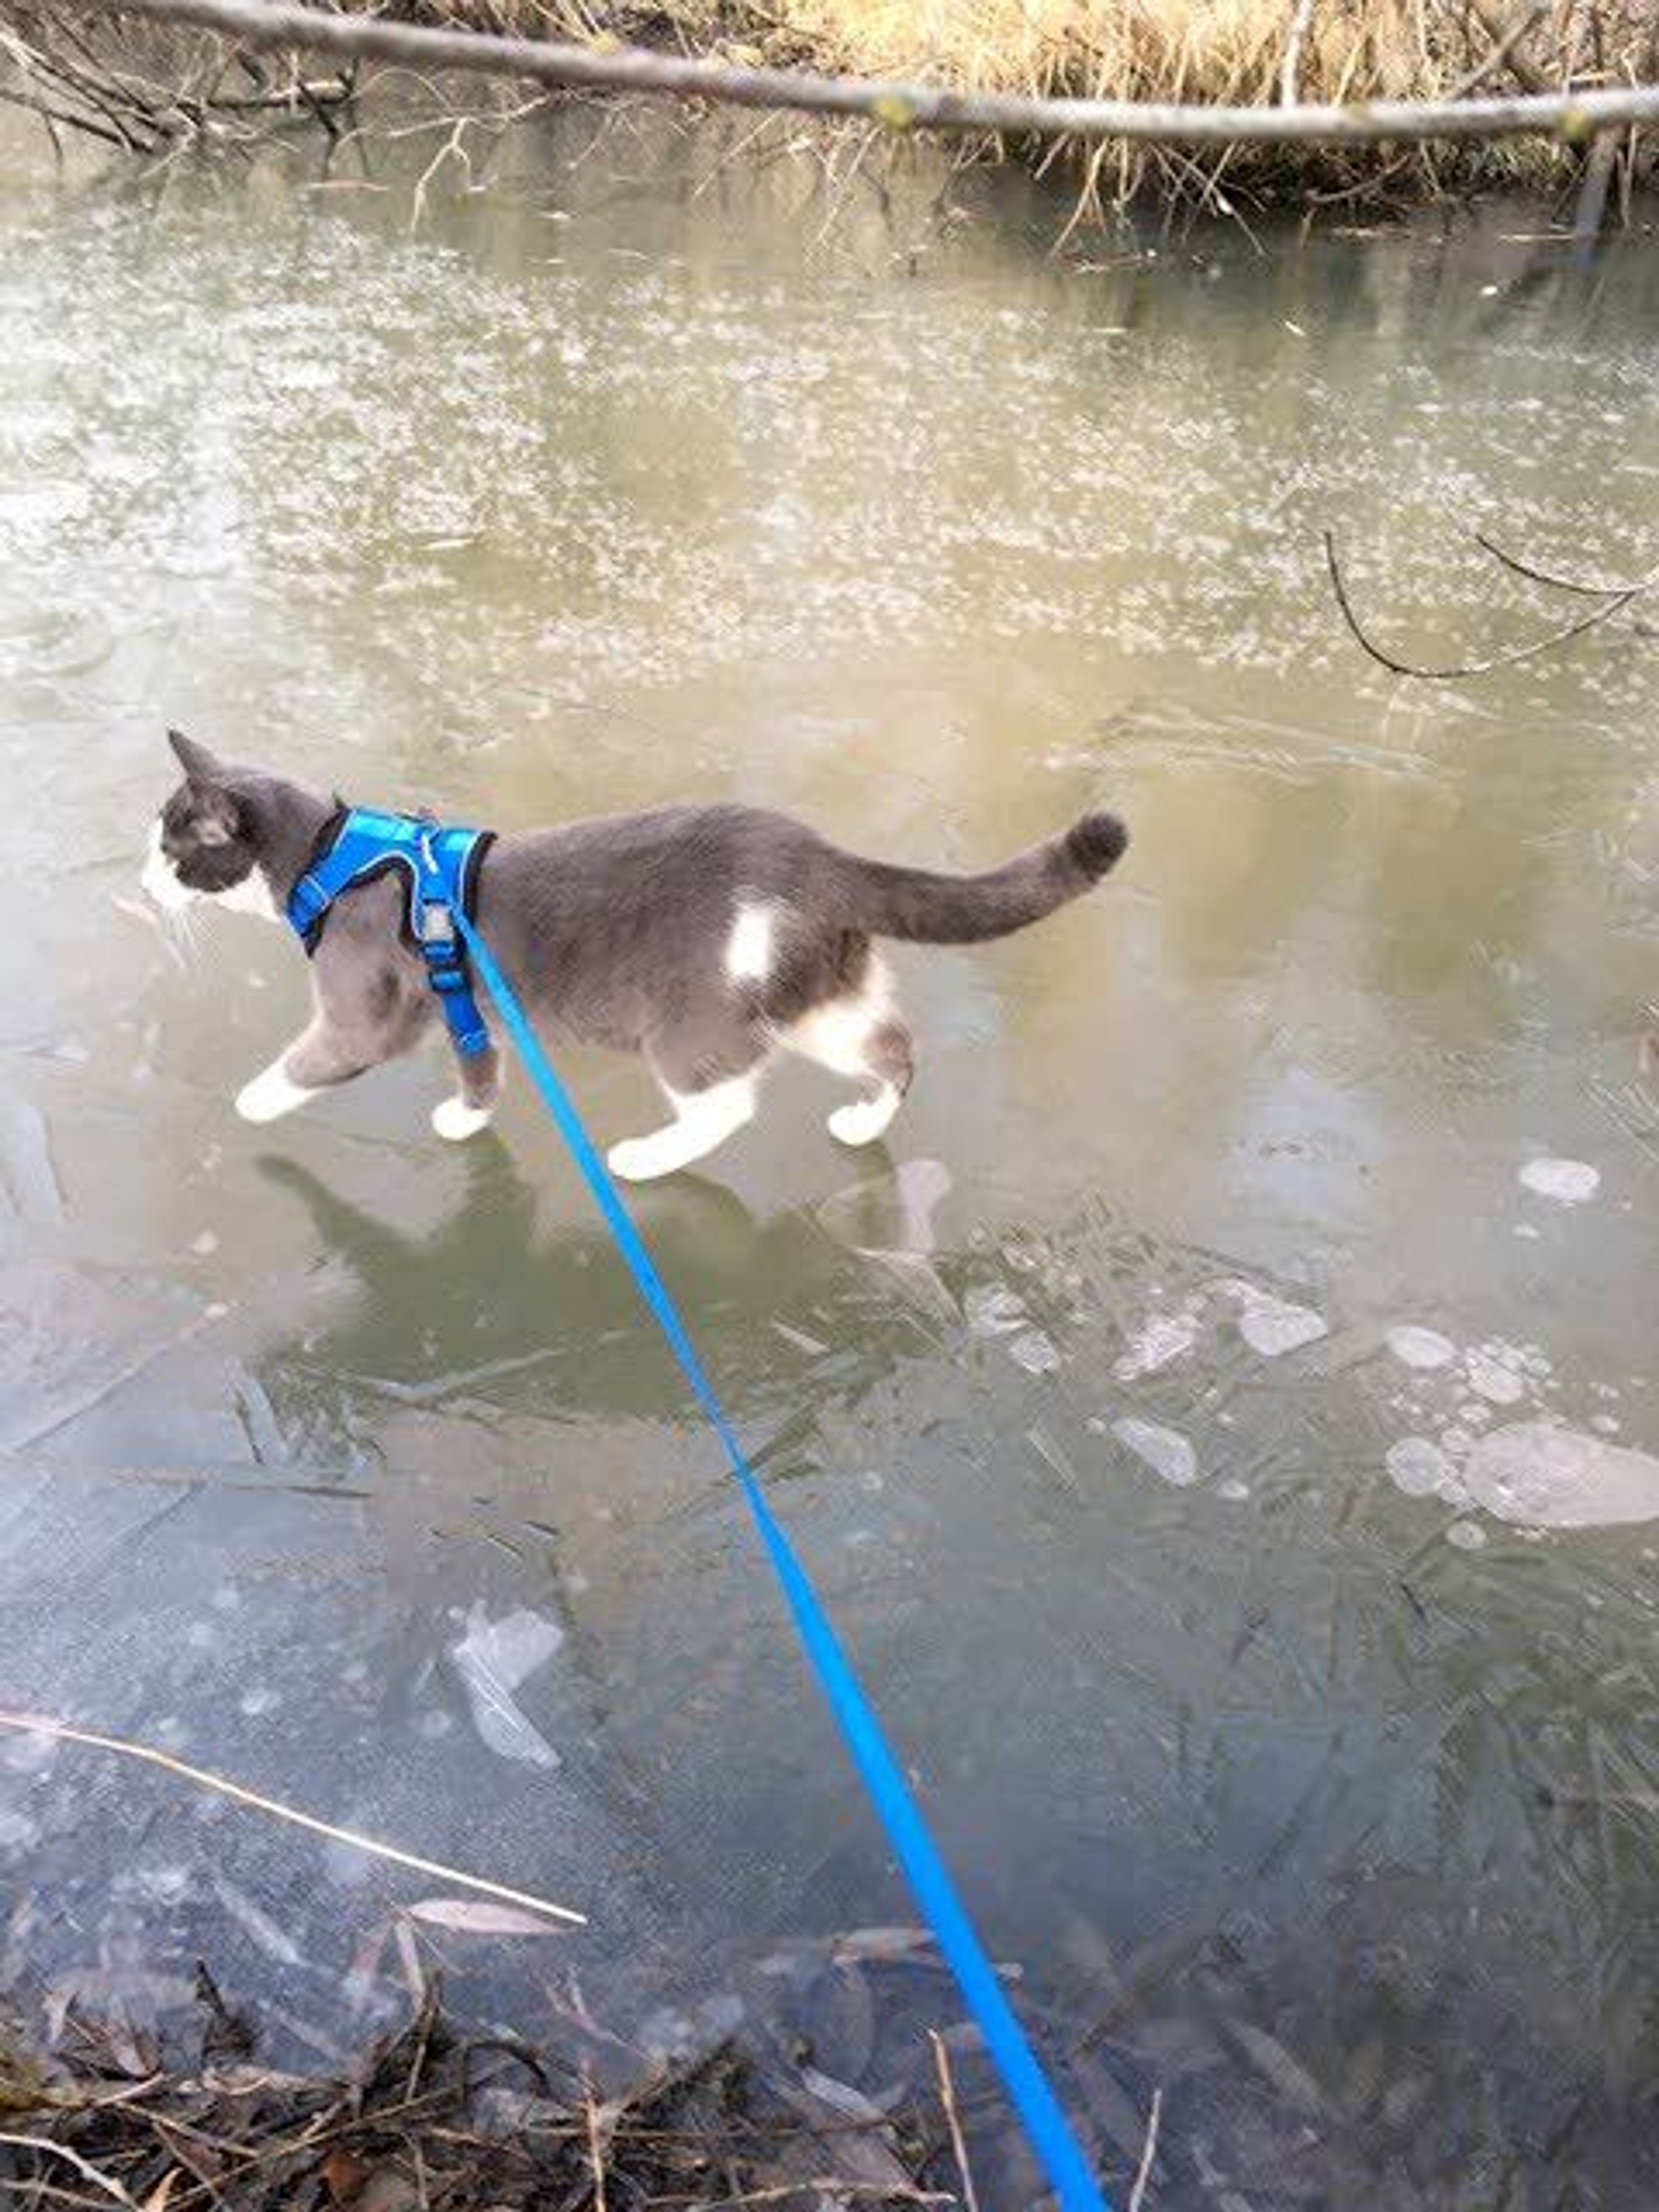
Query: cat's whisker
{"points": [[183, 928]]}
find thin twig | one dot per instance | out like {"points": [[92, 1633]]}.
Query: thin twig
{"points": [[53, 116], [830, 2186], [1610, 606], [1293, 45], [88, 2171], [1592, 204], [1149, 2152], [1506, 50], [40, 1725], [1582, 585], [595, 2147], [453, 148], [947, 2097], [1511, 38], [1576, 115]]}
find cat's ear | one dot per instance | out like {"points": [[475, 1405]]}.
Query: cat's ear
{"points": [[198, 763]]}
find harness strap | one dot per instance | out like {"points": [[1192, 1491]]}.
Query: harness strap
{"points": [[439, 867]]}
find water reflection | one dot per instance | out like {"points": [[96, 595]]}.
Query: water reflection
{"points": [[491, 1301]]}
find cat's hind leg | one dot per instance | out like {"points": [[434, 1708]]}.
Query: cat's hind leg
{"points": [[711, 1076], [702, 1122], [860, 1034]]}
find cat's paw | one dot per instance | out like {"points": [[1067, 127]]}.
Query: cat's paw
{"points": [[270, 1096], [864, 1120], [455, 1120]]}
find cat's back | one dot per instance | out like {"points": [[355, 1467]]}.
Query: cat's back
{"points": [[656, 892], [691, 851]]}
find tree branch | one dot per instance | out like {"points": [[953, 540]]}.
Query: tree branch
{"points": [[1574, 116], [1614, 604]]}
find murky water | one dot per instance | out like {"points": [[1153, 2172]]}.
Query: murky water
{"points": [[1162, 1418]]}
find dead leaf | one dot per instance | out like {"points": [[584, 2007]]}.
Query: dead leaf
{"points": [[468, 1918], [880, 1943], [161, 2196], [1271, 2059], [343, 2176], [841, 2097], [860, 2150], [389, 2189]]}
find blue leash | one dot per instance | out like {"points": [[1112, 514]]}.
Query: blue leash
{"points": [[900, 1815]]}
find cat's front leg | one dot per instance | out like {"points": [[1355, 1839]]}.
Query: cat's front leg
{"points": [[314, 1061], [473, 1106]]}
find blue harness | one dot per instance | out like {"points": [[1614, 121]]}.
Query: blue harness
{"points": [[441, 871]]}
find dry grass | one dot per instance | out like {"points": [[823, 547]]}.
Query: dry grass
{"points": [[1232, 51]]}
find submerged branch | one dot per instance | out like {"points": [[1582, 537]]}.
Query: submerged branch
{"points": [[1614, 603], [1574, 116], [1582, 585]]}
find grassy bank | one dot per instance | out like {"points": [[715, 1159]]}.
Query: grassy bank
{"points": [[145, 88], [1248, 52]]}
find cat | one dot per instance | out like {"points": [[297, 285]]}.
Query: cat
{"points": [[705, 937]]}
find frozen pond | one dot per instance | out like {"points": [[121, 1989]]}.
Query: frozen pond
{"points": [[1224, 1426]]}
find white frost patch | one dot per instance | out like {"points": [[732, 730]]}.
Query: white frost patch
{"points": [[492, 1659], [993, 1311], [1419, 1468], [1166, 1452], [28, 1754], [1569, 1182], [1421, 1347], [1533, 1471], [922, 1186], [1272, 1325], [1495, 1376], [1160, 1339], [1034, 1352]]}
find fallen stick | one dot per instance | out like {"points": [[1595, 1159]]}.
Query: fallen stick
{"points": [[44, 2147], [1149, 2152], [41, 1724]]}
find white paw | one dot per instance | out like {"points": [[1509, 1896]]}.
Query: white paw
{"points": [[864, 1120], [270, 1096], [637, 1159], [453, 1119]]}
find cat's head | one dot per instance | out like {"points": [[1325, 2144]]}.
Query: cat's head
{"points": [[223, 835]]}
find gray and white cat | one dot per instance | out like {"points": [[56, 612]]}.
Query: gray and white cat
{"points": [[707, 938]]}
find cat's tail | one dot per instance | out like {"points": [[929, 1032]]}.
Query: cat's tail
{"points": [[935, 910]]}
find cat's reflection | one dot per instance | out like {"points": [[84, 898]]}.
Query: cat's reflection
{"points": [[548, 1321]]}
